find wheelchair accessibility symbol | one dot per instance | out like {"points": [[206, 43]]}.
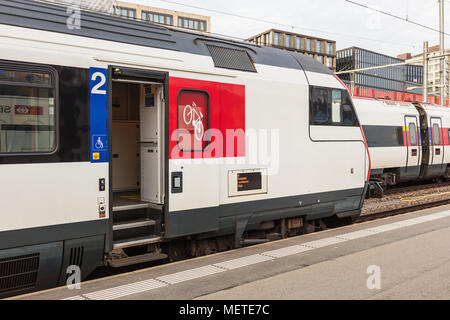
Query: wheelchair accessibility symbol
{"points": [[100, 143]]}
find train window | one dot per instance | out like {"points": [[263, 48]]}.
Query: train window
{"points": [[27, 111], [448, 135], [436, 135], [25, 77], [412, 134], [331, 107], [348, 112], [193, 120], [319, 106], [336, 102]]}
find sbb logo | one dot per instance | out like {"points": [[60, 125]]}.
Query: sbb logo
{"points": [[29, 110], [22, 110]]}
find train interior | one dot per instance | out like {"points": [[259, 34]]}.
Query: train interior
{"points": [[137, 162]]}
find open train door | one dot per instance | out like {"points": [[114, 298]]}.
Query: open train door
{"points": [[138, 138]]}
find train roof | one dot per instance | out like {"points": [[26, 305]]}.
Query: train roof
{"points": [[395, 103], [53, 18]]}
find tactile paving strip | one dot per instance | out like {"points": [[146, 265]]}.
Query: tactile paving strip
{"points": [[243, 262], [190, 274], [288, 251]]}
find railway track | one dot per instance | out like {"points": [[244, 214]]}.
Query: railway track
{"points": [[402, 210], [415, 187]]}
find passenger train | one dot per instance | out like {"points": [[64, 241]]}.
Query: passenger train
{"points": [[124, 142], [408, 141]]}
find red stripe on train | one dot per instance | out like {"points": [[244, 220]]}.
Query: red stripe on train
{"points": [[368, 154]]}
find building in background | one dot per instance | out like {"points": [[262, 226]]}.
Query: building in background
{"points": [[104, 6], [322, 50], [403, 81], [434, 69], [162, 16], [135, 11]]}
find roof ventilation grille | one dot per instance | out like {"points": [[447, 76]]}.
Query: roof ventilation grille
{"points": [[229, 58]]}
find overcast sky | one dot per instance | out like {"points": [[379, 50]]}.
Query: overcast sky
{"points": [[338, 20]]}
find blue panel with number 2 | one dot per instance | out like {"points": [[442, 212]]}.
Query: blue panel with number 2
{"points": [[99, 114]]}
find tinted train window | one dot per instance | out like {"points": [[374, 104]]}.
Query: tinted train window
{"points": [[412, 134], [319, 106], [436, 135], [27, 111], [331, 107]]}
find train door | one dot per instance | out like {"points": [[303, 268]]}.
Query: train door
{"points": [[138, 121], [436, 137], [413, 144]]}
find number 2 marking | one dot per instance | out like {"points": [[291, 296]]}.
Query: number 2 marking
{"points": [[95, 89]]}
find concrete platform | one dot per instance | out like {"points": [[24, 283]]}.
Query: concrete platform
{"points": [[411, 252]]}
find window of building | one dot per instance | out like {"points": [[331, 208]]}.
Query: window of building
{"points": [[157, 18], [331, 107], [266, 39], [330, 62], [192, 24], [27, 110], [193, 120], [319, 46], [125, 12], [298, 43], [276, 39], [308, 45], [436, 135], [329, 48], [287, 41]]}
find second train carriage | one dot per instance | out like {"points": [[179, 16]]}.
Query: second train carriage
{"points": [[114, 138], [407, 141]]}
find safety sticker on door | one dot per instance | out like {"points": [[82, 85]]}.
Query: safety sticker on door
{"points": [[99, 114]]}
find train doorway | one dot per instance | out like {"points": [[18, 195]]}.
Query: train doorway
{"points": [[138, 108]]}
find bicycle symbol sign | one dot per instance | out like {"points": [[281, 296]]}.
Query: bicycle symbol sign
{"points": [[99, 142], [194, 118]]}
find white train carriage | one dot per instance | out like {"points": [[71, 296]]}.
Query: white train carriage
{"points": [[407, 141], [122, 135]]}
